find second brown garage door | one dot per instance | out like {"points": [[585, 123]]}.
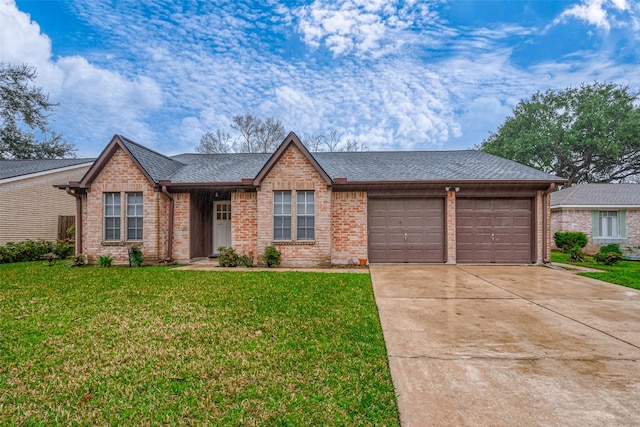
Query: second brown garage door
{"points": [[406, 230], [494, 230]]}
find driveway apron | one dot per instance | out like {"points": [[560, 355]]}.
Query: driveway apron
{"points": [[509, 345]]}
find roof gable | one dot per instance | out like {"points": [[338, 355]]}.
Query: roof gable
{"points": [[154, 166], [291, 139]]}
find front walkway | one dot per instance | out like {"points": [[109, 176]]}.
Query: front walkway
{"points": [[509, 345]]}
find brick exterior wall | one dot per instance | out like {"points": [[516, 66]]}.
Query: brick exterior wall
{"points": [[181, 227], [581, 220], [450, 224], [293, 172], [244, 224], [29, 207], [348, 227], [122, 175]]}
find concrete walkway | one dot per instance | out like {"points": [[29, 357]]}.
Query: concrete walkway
{"points": [[509, 345]]}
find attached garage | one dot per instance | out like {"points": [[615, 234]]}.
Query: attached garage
{"points": [[494, 230], [406, 230]]}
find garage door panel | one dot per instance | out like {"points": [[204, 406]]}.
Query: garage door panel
{"points": [[422, 219], [494, 230]]}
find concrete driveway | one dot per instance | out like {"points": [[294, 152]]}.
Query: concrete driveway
{"points": [[509, 345]]}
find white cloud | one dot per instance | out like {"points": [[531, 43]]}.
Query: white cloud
{"points": [[601, 13], [93, 101], [367, 28]]}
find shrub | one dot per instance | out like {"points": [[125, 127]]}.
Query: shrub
{"points": [[271, 256], [571, 242], [227, 257], [609, 254], [105, 261], [64, 248], [51, 258], [135, 256], [28, 250], [245, 260]]}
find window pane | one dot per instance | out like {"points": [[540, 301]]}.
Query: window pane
{"points": [[135, 208], [282, 215], [305, 205], [112, 216]]}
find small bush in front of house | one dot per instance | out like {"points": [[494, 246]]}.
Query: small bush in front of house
{"points": [[245, 260], [271, 256], [105, 261], [51, 258], [135, 256], [571, 242], [609, 254], [227, 257], [64, 249]]}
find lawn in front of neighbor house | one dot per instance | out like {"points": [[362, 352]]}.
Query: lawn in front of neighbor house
{"points": [[625, 273], [97, 346]]}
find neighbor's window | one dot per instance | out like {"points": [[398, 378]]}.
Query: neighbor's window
{"points": [[111, 216], [282, 215], [305, 215], [608, 224], [134, 216]]}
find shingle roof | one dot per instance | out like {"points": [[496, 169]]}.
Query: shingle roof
{"points": [[366, 166], [157, 165], [15, 168], [597, 195]]}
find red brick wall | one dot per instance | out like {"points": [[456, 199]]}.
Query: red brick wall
{"points": [[349, 227], [181, 227], [122, 175], [294, 172], [244, 224], [450, 225]]}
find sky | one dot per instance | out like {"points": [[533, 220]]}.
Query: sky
{"points": [[393, 75]]}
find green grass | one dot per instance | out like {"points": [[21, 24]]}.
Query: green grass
{"points": [[626, 273], [96, 346]]}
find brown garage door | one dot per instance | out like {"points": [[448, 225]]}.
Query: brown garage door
{"points": [[406, 230], [494, 230]]}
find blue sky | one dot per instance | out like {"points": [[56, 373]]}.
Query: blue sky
{"points": [[395, 75]]}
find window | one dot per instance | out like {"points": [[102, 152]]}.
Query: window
{"points": [[111, 216], [282, 215], [608, 224], [305, 211], [134, 216]]}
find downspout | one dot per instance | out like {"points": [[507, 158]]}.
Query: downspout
{"points": [[169, 257], [545, 249], [78, 219]]}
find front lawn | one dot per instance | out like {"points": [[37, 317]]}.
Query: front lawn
{"points": [[96, 346], [626, 273]]}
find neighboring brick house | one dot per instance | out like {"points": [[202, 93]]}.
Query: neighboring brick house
{"points": [[29, 210], [606, 213], [317, 208]]}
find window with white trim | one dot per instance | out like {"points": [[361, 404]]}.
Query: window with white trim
{"points": [[134, 216], [112, 216], [608, 224], [305, 215], [282, 215]]}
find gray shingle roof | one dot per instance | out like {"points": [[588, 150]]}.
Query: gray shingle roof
{"points": [[597, 195], [366, 166], [15, 168], [158, 166]]}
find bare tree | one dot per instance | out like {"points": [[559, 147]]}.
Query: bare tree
{"points": [[248, 126], [332, 142], [354, 145], [218, 142], [269, 135]]}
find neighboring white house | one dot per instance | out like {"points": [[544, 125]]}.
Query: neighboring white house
{"points": [[606, 213], [30, 208]]}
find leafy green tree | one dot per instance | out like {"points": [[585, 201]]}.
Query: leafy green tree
{"points": [[24, 110], [585, 134]]}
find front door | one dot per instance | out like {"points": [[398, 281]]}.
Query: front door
{"points": [[221, 224]]}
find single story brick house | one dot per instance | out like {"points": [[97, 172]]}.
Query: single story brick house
{"points": [[29, 210], [606, 213], [316, 208]]}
